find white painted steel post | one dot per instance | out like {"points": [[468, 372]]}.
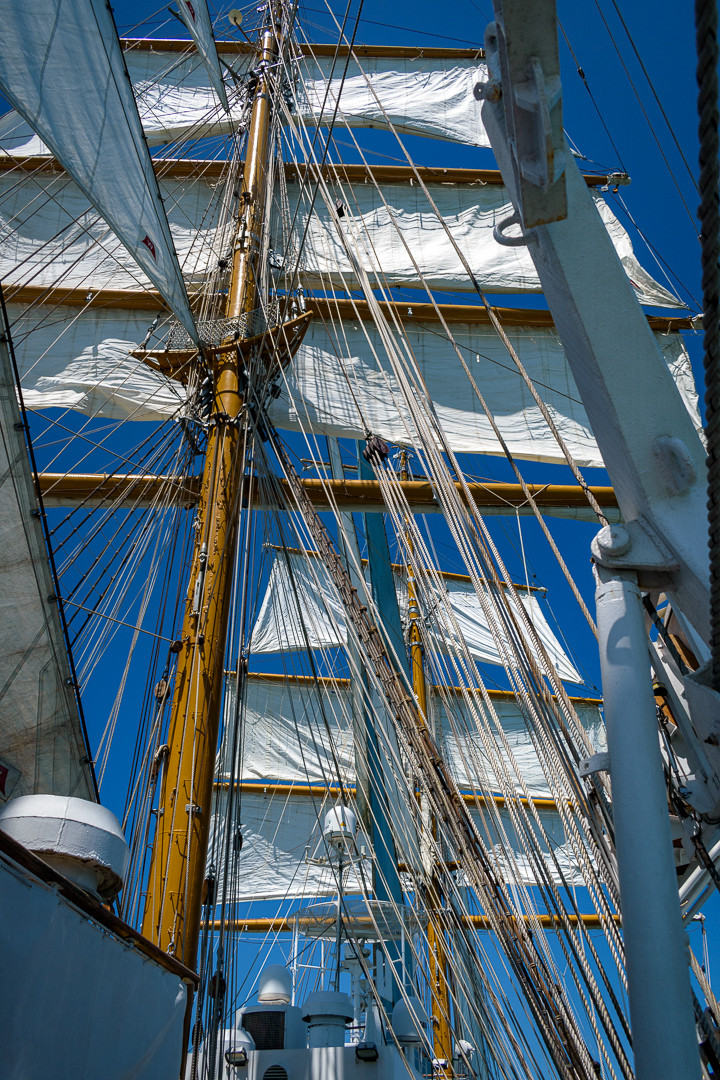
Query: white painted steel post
{"points": [[663, 1027]]}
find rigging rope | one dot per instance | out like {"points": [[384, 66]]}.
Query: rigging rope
{"points": [[706, 27]]}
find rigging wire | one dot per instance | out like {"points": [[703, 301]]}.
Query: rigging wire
{"points": [[586, 84], [706, 26]]}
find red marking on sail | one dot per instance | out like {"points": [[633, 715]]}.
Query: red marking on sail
{"points": [[3, 778], [150, 246], [189, 6]]}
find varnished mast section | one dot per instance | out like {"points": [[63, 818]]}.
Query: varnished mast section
{"points": [[177, 870], [442, 1038]]}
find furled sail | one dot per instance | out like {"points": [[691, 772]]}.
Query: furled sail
{"points": [[301, 584], [42, 742], [196, 17], [424, 92], [297, 750], [62, 68], [86, 365], [50, 233]]}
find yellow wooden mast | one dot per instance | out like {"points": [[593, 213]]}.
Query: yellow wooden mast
{"points": [[174, 896], [437, 945]]}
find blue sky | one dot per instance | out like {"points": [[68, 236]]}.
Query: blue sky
{"points": [[614, 119]]}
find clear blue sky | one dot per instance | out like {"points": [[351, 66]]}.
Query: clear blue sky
{"points": [[605, 122]]}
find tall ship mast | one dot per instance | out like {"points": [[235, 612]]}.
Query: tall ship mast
{"points": [[288, 445]]}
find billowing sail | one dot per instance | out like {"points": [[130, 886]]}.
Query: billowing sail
{"points": [[62, 68], [297, 752], [49, 233], [332, 374], [426, 92], [195, 15], [43, 749], [400, 241], [86, 365], [297, 583]]}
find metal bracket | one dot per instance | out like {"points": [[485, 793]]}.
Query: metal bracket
{"points": [[524, 70], [633, 546], [594, 764]]}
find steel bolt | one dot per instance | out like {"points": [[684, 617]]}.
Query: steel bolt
{"points": [[614, 540]]}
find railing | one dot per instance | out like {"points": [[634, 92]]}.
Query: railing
{"points": [[217, 331]]}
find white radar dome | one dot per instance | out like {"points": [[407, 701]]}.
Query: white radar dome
{"points": [[340, 824], [409, 1021], [274, 985]]}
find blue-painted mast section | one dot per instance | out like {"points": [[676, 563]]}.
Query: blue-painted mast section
{"points": [[387, 879]]}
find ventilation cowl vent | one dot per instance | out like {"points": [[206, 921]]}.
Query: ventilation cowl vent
{"points": [[267, 1030], [275, 1072]]}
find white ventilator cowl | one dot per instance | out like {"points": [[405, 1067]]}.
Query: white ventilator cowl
{"points": [[80, 839]]}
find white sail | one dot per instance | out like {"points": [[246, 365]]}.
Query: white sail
{"points": [[421, 94], [386, 223], [195, 15], [424, 96], [62, 68], [283, 855], [282, 836], [85, 364], [512, 858], [330, 376], [300, 584], [50, 233], [42, 743], [294, 735], [297, 750]]}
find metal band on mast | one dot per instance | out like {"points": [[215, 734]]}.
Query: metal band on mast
{"points": [[174, 897]]}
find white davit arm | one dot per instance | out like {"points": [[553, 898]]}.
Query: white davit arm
{"points": [[656, 463], [651, 449]]}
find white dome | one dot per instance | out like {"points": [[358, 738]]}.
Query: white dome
{"points": [[274, 985], [81, 839], [340, 824], [408, 1021]]}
